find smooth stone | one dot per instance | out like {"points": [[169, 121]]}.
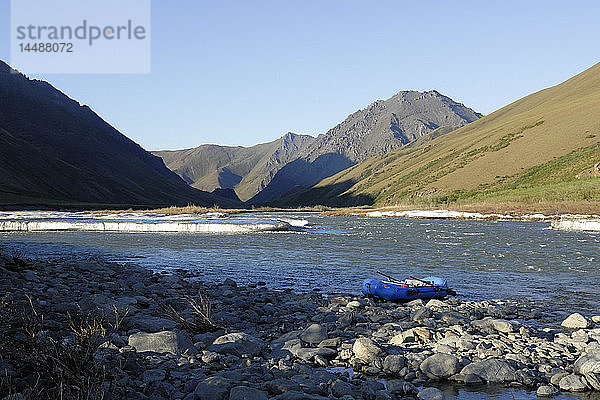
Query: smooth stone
{"points": [[491, 370], [593, 380], [435, 303], [333, 343], [547, 391], [238, 344], [587, 363], [175, 342], [393, 363], [246, 393], [439, 366], [555, 379], [340, 388], [573, 383], [213, 388], [153, 375], [365, 349], [576, 321], [148, 323], [431, 393], [314, 334]]}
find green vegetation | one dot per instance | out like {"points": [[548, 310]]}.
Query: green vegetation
{"points": [[529, 152]]}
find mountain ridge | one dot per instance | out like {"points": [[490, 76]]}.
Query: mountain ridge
{"points": [[530, 150], [381, 127], [55, 151]]}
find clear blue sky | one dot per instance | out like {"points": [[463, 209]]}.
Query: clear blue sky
{"points": [[244, 72]]}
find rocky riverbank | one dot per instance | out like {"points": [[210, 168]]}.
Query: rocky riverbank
{"points": [[90, 326]]}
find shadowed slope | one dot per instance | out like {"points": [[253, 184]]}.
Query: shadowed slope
{"points": [[56, 152]]}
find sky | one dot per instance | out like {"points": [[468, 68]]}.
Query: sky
{"points": [[246, 72]]}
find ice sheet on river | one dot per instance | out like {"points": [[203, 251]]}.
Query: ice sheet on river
{"points": [[585, 225], [33, 221]]}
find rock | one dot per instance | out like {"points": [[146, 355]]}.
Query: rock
{"points": [[365, 349], [491, 370], [148, 323], [153, 375], [547, 391], [596, 319], [247, 393], [394, 363], [175, 342], [333, 343], [238, 344], [593, 381], [576, 321], [439, 366], [230, 283], [573, 383], [340, 388], [308, 353], [502, 325], [431, 393], [314, 334], [587, 363], [555, 380], [213, 388], [435, 304]]}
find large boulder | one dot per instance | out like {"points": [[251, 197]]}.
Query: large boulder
{"points": [[366, 350], [175, 342], [587, 363], [393, 363], [213, 388], [431, 393], [314, 334], [576, 321], [238, 344], [547, 391], [491, 370], [573, 383], [439, 366], [247, 393]]}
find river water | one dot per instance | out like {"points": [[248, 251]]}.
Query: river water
{"points": [[557, 271]]}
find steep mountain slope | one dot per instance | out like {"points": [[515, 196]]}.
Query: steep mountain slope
{"points": [[383, 126], [268, 171], [529, 151], [54, 152], [247, 169]]}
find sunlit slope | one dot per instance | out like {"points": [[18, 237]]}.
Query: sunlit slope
{"points": [[528, 151]]}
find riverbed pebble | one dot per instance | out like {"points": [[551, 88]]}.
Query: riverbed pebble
{"points": [[268, 343]]}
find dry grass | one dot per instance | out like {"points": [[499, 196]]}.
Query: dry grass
{"points": [[42, 364], [547, 137], [201, 322]]}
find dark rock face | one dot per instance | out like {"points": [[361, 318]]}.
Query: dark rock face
{"points": [[54, 151], [267, 172]]}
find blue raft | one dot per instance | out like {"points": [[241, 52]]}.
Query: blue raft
{"points": [[409, 289]]}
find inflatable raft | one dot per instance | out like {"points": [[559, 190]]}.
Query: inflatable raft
{"points": [[406, 290]]}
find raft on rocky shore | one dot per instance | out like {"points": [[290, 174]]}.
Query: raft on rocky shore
{"points": [[287, 345], [411, 289]]}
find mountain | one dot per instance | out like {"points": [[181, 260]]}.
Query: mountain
{"points": [[541, 148], [55, 152], [247, 169], [268, 171]]}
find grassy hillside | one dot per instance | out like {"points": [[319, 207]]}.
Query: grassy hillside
{"points": [[247, 169], [527, 152]]}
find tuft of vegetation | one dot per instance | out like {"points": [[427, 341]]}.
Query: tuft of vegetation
{"points": [[39, 363], [201, 320]]}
